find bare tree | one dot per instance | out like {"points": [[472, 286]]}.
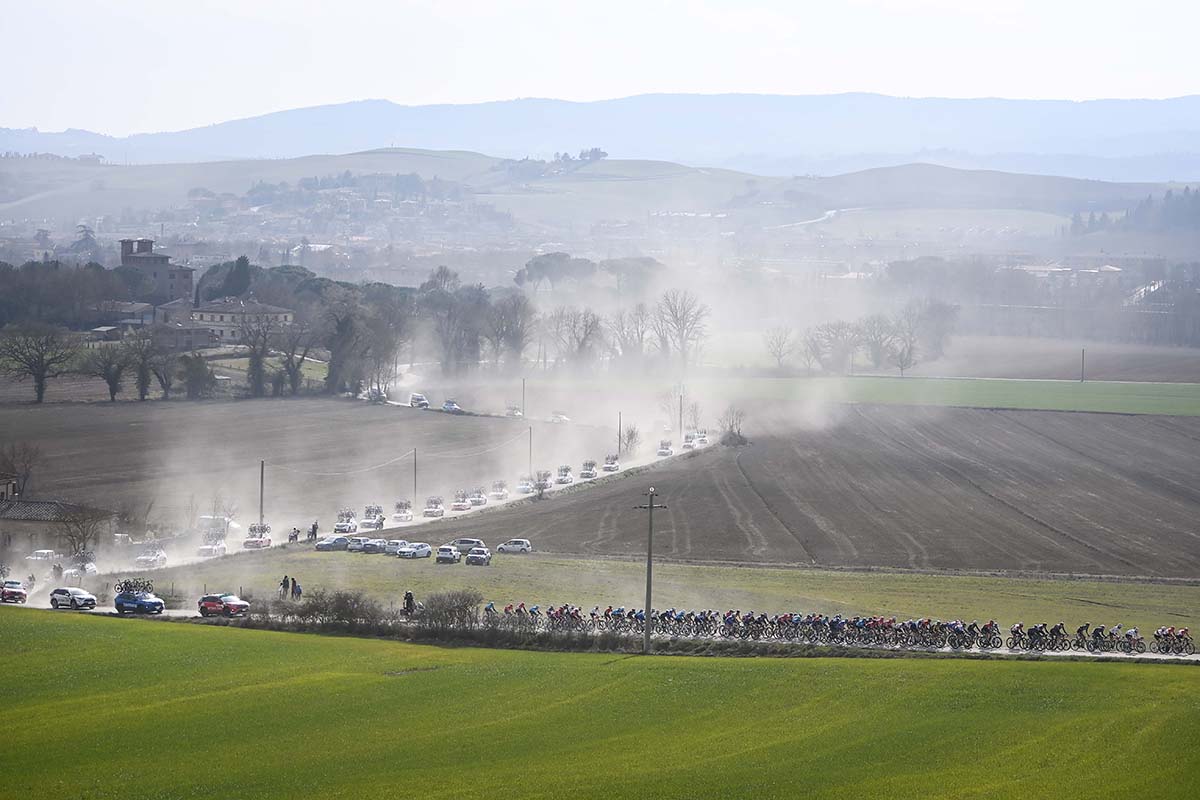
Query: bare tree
{"points": [[840, 340], [812, 349], [293, 343], [628, 331], [80, 527], [508, 329], [631, 439], [38, 352], [730, 423], [141, 348], [257, 335], [21, 460], [108, 363], [876, 333], [694, 415], [780, 344], [670, 402], [906, 329], [165, 367], [682, 319]]}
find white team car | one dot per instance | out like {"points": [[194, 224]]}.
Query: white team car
{"points": [[257, 541], [499, 490], [478, 497], [211, 550], [525, 485], [689, 441], [559, 417], [664, 448], [515, 546], [462, 501], [348, 525], [415, 550], [434, 507], [564, 475], [403, 512], [611, 464], [77, 573], [372, 523], [702, 437], [151, 559], [588, 471]]}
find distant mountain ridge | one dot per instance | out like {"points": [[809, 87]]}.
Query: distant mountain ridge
{"points": [[1125, 140]]}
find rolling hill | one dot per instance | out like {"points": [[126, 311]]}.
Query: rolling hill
{"points": [[1108, 139]]}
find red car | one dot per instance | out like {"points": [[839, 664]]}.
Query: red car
{"points": [[212, 605], [13, 592]]}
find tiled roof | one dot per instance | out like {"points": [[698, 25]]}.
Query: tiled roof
{"points": [[35, 510], [239, 306]]}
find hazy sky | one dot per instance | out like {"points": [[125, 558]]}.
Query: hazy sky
{"points": [[125, 66]]}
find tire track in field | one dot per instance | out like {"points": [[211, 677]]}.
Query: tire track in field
{"points": [[823, 524], [932, 447], [1159, 481], [743, 518]]}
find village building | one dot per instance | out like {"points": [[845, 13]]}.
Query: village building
{"points": [[226, 316], [171, 281]]}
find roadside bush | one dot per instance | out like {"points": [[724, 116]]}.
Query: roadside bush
{"points": [[458, 609]]}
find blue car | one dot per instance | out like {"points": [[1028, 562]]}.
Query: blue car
{"points": [[138, 603]]}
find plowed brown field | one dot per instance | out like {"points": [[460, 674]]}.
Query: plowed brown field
{"points": [[910, 488]]}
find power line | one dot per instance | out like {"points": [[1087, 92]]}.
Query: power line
{"points": [[387, 463]]}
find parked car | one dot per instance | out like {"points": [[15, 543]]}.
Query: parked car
{"points": [[151, 559], [559, 417], [515, 546], [82, 571], [222, 604], [13, 592], [417, 400], [415, 550], [464, 545], [479, 557], [72, 597], [358, 544], [448, 554], [138, 603], [393, 546], [451, 407], [333, 543], [514, 411], [211, 550], [41, 555], [375, 546]]}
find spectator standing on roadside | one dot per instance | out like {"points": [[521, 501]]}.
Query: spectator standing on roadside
{"points": [[296, 592], [283, 588], [293, 588]]}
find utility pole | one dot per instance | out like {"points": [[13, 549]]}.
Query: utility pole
{"points": [[522, 397], [649, 506], [1082, 363], [619, 435], [414, 477], [262, 479], [530, 452], [681, 414]]}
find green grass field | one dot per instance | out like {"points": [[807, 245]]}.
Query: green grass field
{"points": [[544, 580], [105, 708], [1110, 396]]}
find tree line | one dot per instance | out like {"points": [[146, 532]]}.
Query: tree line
{"points": [[917, 331]]}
